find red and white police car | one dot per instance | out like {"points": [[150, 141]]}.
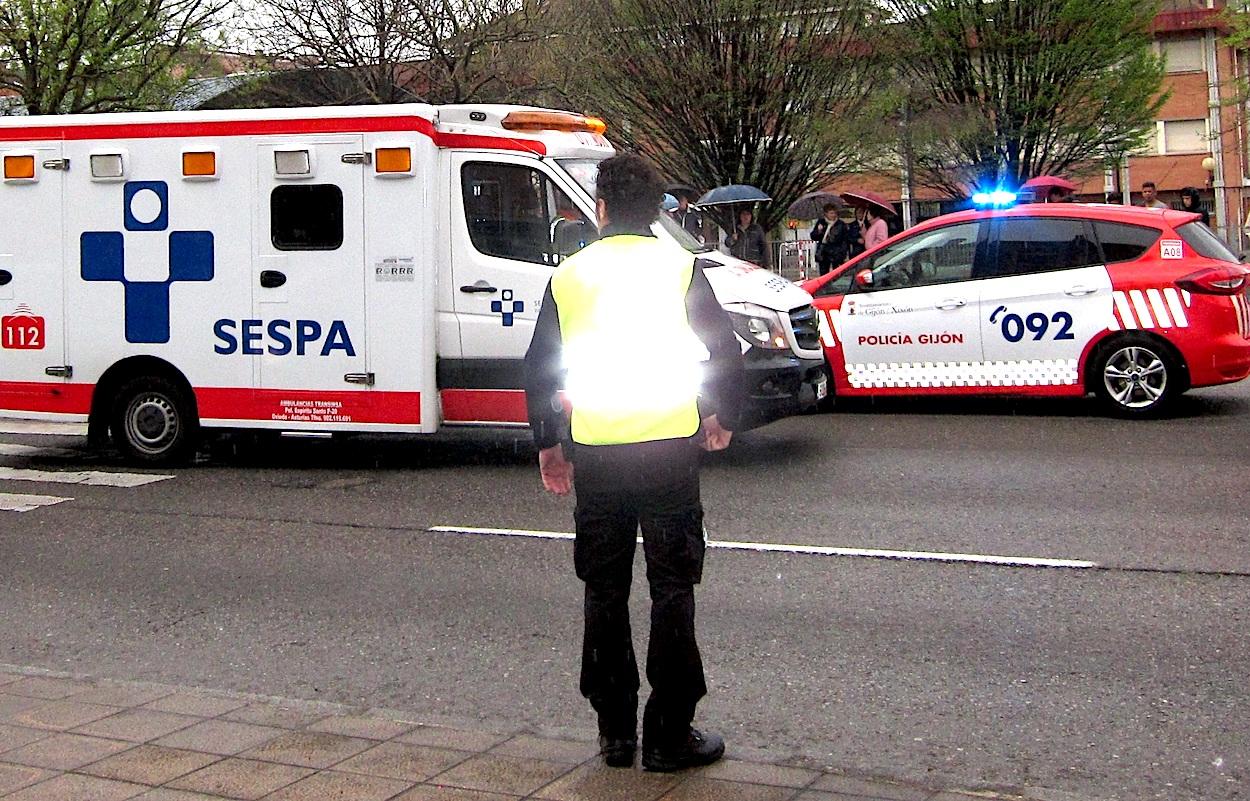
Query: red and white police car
{"points": [[1135, 305]]}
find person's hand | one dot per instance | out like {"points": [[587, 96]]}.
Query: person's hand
{"points": [[557, 472], [715, 438]]}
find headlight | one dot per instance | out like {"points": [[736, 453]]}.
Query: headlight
{"points": [[758, 326]]}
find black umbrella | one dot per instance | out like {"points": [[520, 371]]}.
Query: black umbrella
{"points": [[812, 205], [733, 193]]}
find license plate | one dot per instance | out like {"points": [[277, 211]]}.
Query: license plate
{"points": [[822, 388]]}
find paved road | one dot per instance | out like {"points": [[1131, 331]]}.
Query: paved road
{"points": [[306, 568]]}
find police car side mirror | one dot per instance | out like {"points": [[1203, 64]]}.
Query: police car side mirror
{"points": [[863, 279]]}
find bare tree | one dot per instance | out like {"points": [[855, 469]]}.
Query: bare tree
{"points": [[763, 92], [68, 56], [387, 51], [1012, 89]]}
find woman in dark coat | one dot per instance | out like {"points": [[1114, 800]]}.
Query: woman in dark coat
{"points": [[748, 241], [832, 238]]}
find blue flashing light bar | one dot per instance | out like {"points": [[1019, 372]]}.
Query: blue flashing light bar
{"points": [[996, 199]]}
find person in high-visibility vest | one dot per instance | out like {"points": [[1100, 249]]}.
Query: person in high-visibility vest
{"points": [[651, 372]]}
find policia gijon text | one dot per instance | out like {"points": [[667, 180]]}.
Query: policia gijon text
{"points": [[651, 370]]}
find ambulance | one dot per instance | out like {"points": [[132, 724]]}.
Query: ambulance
{"points": [[363, 269]]}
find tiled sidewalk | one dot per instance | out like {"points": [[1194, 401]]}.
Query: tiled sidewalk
{"points": [[68, 739]]}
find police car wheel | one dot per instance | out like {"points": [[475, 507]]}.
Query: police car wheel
{"points": [[1135, 377], [152, 422]]}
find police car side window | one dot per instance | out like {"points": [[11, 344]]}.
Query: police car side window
{"points": [[1026, 245], [940, 256], [306, 217], [1124, 242], [515, 212]]}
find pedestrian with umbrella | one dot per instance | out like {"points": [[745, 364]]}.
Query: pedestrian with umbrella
{"points": [[876, 209], [747, 241], [1051, 188], [689, 219]]}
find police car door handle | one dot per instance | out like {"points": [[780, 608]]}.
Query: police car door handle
{"points": [[1078, 291], [479, 286], [952, 303], [272, 279]]}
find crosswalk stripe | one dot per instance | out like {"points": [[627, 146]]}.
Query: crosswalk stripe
{"points": [[20, 426], [10, 502], [13, 449], [93, 478]]}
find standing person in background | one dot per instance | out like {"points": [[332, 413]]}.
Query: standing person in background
{"points": [[1192, 201], [878, 231], [689, 219], [1149, 196], [641, 409], [830, 235], [855, 234], [748, 241]]}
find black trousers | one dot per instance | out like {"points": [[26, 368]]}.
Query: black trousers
{"points": [[654, 485]]}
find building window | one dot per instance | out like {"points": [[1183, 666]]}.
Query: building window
{"points": [[1185, 136], [1183, 55]]}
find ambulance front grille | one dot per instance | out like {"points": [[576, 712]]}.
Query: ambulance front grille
{"points": [[806, 329]]}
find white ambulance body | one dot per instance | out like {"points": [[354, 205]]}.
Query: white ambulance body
{"points": [[330, 269]]}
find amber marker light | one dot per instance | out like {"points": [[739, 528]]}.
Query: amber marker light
{"points": [[18, 168], [393, 159], [553, 121], [199, 164]]}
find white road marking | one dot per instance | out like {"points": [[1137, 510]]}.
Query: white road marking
{"points": [[13, 449], [25, 503], [93, 478], [17, 426], [808, 550]]}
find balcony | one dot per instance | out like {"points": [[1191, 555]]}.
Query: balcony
{"points": [[1188, 15]]}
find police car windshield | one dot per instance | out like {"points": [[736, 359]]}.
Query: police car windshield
{"points": [[585, 171]]}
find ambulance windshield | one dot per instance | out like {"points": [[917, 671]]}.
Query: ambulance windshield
{"points": [[585, 171]]}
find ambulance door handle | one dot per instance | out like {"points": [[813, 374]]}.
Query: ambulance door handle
{"points": [[1078, 291], [272, 279], [480, 286], [952, 303], [5, 277]]}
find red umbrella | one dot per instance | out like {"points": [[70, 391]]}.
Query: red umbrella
{"points": [[1049, 182], [865, 199]]}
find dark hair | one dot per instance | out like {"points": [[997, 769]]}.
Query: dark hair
{"points": [[631, 189], [1194, 198], [1150, 184], [829, 207]]}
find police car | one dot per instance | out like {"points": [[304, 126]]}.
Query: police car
{"points": [[1135, 305]]}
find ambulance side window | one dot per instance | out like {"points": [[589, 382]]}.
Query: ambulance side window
{"points": [[306, 217], [515, 212]]}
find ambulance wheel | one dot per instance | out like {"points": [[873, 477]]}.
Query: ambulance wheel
{"points": [[1134, 376], [153, 422]]}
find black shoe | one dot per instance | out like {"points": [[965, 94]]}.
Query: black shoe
{"points": [[618, 752], [698, 749]]}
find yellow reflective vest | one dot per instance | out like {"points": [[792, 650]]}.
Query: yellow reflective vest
{"points": [[634, 365]]}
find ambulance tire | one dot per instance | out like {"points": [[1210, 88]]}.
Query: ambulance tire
{"points": [[1135, 376], [153, 422]]}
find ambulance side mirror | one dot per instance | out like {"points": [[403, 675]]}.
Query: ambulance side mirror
{"points": [[570, 236], [863, 279]]}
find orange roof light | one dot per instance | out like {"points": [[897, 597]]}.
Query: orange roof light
{"points": [[19, 168], [393, 159], [553, 121], [201, 164]]}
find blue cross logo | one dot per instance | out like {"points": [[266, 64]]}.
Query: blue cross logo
{"points": [[518, 306], [146, 209]]}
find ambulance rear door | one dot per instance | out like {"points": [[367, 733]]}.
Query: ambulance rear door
{"points": [[32, 334], [307, 334]]}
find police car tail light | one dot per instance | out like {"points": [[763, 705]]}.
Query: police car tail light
{"points": [[552, 121], [1216, 281], [19, 168]]}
